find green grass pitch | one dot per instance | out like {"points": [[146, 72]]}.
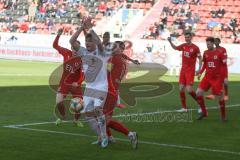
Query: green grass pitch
{"points": [[25, 98]]}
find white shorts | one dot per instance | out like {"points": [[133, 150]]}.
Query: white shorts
{"points": [[91, 103], [93, 99]]}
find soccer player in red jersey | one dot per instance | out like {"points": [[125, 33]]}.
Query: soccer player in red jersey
{"points": [[213, 60], [224, 70], [71, 79], [190, 53], [116, 73]]}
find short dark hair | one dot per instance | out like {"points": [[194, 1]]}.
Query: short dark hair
{"points": [[188, 33], [210, 39], [106, 34], [218, 39], [121, 44], [88, 36]]}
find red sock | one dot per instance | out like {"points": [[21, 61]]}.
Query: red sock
{"points": [[193, 94], [202, 104], [226, 90], [61, 109], [109, 133], [222, 108], [183, 99], [118, 126]]}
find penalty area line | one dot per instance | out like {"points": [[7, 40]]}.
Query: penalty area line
{"points": [[203, 149]]}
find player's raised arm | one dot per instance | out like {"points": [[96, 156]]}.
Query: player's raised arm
{"points": [[56, 40], [75, 36], [97, 40], [171, 43], [88, 25], [61, 50]]}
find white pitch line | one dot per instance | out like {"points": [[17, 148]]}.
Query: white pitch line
{"points": [[141, 142], [122, 115]]}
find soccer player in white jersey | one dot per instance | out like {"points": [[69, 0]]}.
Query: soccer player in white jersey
{"points": [[95, 66]]}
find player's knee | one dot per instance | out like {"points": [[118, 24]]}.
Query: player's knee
{"points": [[225, 82], [189, 89], [59, 98], [199, 92], [181, 88]]}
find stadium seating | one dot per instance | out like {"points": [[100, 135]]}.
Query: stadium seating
{"points": [[204, 8], [71, 13]]}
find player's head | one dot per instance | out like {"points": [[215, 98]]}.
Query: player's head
{"points": [[188, 37], [210, 43], [76, 45], [118, 47], [106, 37], [128, 44], [217, 41], [89, 42]]}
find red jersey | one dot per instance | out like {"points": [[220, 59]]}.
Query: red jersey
{"points": [[190, 52], [72, 66], [213, 61], [119, 69]]}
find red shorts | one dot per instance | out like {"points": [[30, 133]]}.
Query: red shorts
{"points": [[215, 85], [186, 77], [66, 89], [110, 103]]}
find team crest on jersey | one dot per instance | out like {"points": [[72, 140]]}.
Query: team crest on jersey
{"points": [[191, 49], [215, 57]]}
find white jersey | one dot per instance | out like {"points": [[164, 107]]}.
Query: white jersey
{"points": [[82, 51], [108, 49], [97, 71]]}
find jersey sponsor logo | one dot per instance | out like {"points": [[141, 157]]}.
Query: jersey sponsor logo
{"points": [[187, 54], [211, 65]]}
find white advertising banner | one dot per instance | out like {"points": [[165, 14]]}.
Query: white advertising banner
{"points": [[39, 48]]}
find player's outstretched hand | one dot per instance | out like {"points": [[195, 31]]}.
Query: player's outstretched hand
{"points": [[60, 31], [136, 62]]}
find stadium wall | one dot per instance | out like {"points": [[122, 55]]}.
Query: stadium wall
{"points": [[39, 48]]}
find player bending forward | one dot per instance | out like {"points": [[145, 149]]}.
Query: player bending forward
{"points": [[213, 61]]}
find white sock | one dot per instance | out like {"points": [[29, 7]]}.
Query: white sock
{"points": [[102, 125], [130, 134], [93, 124], [118, 100]]}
